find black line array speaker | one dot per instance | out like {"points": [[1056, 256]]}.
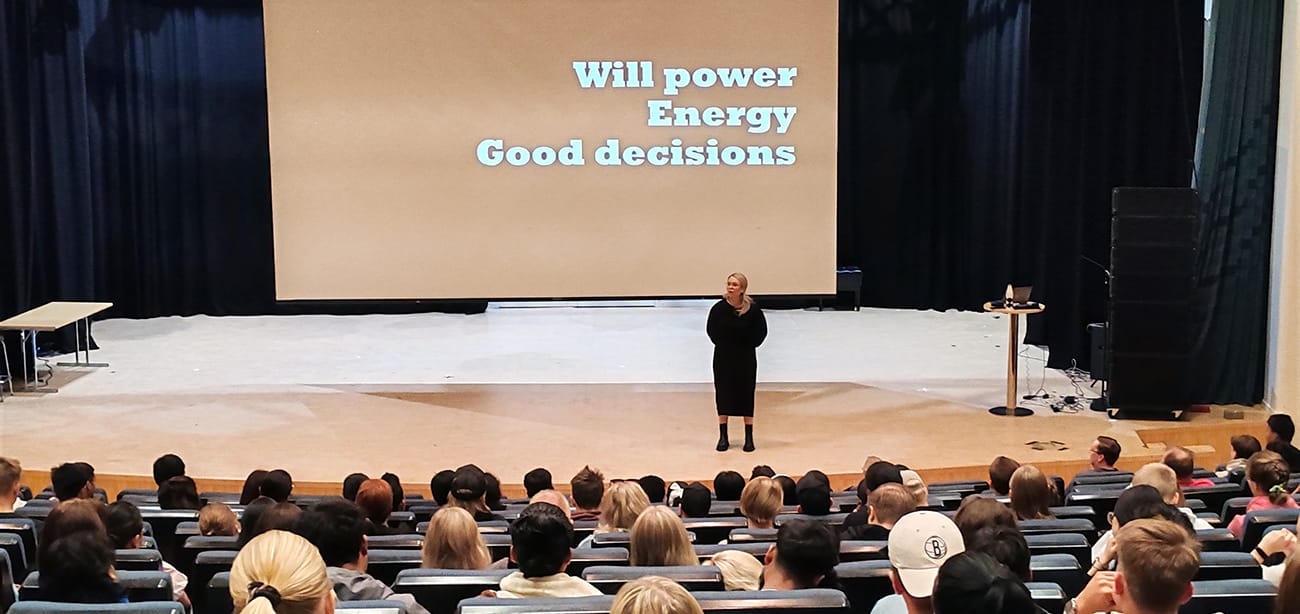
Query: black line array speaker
{"points": [[1153, 261]]}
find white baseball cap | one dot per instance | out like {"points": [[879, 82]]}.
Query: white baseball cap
{"points": [[919, 543]]}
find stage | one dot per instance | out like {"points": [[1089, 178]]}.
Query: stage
{"points": [[623, 386]]}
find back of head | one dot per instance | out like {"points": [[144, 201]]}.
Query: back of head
{"points": [[696, 501], [1157, 560], [278, 485], [807, 551], [1270, 474], [453, 542], [398, 494], [537, 480], [789, 490], [123, 523], [77, 568], [1109, 449], [218, 519], [728, 485], [1140, 501], [279, 572], [740, 570], [492, 492], [375, 498], [1244, 445], [1006, 545], [440, 486], [252, 486], [351, 484], [166, 467], [1161, 477], [68, 480], [914, 484], [654, 595], [882, 472], [659, 538], [1282, 426], [588, 487], [760, 501], [654, 487], [1181, 460], [67, 518], [919, 544], [977, 512], [539, 540], [1288, 589], [179, 493], [336, 527], [762, 471], [11, 472], [556, 498], [814, 495], [890, 502], [975, 583], [253, 513], [1031, 493], [623, 503], [271, 517], [1000, 471]]}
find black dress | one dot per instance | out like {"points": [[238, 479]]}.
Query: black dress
{"points": [[735, 366]]}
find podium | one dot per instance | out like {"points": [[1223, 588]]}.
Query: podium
{"points": [[1013, 358]]}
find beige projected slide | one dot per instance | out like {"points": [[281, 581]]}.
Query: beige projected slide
{"points": [[551, 148]]}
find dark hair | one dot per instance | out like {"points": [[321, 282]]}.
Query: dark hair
{"points": [[975, 583], [862, 491], [166, 467], [696, 501], [75, 569], [1109, 449], [440, 486], [1000, 471], [1139, 502], [252, 487], [976, 512], [807, 549], [351, 484], [251, 517], [536, 481], [1181, 460], [588, 486], [278, 517], [816, 474], [68, 479], [882, 472], [728, 485], [763, 471], [789, 492], [492, 494], [122, 522], [1283, 425], [277, 485], [654, 488], [1244, 445], [1006, 545], [1269, 470], [336, 527], [399, 495], [179, 493], [539, 540], [814, 495], [67, 518]]}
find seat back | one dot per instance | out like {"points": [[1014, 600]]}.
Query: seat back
{"points": [[164, 524], [865, 583], [1102, 504], [1060, 569], [370, 606], [440, 590], [1082, 526], [207, 564], [217, 599], [714, 530], [186, 529], [397, 520], [807, 601], [1122, 478], [12, 546], [1072, 544], [583, 558], [1259, 521], [194, 544], [498, 546], [229, 498], [54, 607], [493, 526], [834, 520], [1228, 566], [1230, 596], [25, 529], [403, 541], [386, 564], [741, 536], [758, 549], [140, 586], [1232, 508], [1048, 596], [1215, 496], [1073, 511], [137, 559], [1218, 540], [7, 594], [599, 604], [609, 578], [864, 550]]}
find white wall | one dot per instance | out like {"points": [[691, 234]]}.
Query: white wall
{"points": [[1282, 385]]}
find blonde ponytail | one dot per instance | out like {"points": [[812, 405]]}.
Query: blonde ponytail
{"points": [[279, 573]]}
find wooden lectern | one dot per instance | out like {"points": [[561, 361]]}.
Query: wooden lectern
{"points": [[1013, 358]]}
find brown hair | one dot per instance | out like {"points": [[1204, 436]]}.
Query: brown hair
{"points": [[1288, 590], [453, 542], [890, 502], [622, 504], [588, 487], [1269, 473], [1244, 445], [1158, 560], [659, 538], [10, 472], [1109, 449], [1031, 493], [760, 501], [72, 516], [977, 512], [1000, 471], [375, 497], [1181, 460], [654, 595], [218, 519]]}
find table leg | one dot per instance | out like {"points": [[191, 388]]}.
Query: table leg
{"points": [[1013, 372], [32, 384], [77, 362]]}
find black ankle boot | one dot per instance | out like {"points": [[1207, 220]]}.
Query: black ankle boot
{"points": [[723, 444], [749, 438]]}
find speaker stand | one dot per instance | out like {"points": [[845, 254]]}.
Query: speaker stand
{"points": [[1101, 403], [1018, 412]]}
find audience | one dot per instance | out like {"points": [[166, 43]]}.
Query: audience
{"points": [[252, 487], [78, 568], [351, 484], [125, 529], [882, 472], [728, 485], [588, 488], [179, 493], [760, 502], [1157, 560], [468, 491], [1000, 471], [1031, 494], [978, 512], [492, 495], [440, 486], [539, 545], [375, 498], [67, 518], [763, 471], [623, 502], [536, 481], [804, 556], [277, 484], [654, 488], [556, 498], [11, 475], [452, 541], [72, 481], [248, 523], [399, 494], [217, 519], [919, 544], [974, 582], [814, 494], [696, 501], [659, 538], [280, 573], [166, 467], [1266, 477], [740, 570], [1006, 545], [1281, 429], [885, 505], [789, 491], [1134, 503], [1160, 477], [1243, 446], [655, 595], [337, 528], [1183, 462]]}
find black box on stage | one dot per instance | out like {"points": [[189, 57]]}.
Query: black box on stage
{"points": [[1099, 356]]}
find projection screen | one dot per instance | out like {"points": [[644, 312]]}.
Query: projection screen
{"points": [[551, 148]]}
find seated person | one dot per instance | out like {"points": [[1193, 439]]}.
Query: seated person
{"points": [[453, 542], [1243, 446], [78, 568], [804, 556], [337, 528], [659, 538], [375, 498], [166, 467], [1102, 456], [655, 488], [762, 471], [125, 528], [536, 481], [440, 486], [492, 496], [973, 582], [814, 494], [914, 484], [919, 544], [1006, 545], [217, 519], [179, 493], [1000, 471], [248, 522], [728, 485], [1266, 477], [1136, 502], [622, 503], [469, 492], [72, 481], [277, 484], [655, 595], [280, 571], [885, 505], [1162, 478], [68, 517], [11, 475], [399, 495], [1031, 494], [1183, 462], [588, 488], [1157, 561], [760, 502], [978, 512], [352, 484], [696, 501], [539, 546], [789, 491], [556, 498], [1281, 429], [252, 488], [740, 570]]}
